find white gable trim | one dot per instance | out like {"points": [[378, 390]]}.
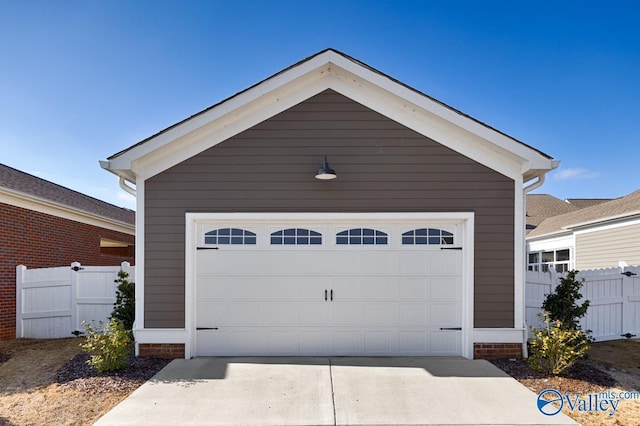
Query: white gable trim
{"points": [[330, 70]]}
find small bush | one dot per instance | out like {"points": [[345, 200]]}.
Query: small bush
{"points": [[562, 304], [124, 309], [555, 347], [109, 348]]}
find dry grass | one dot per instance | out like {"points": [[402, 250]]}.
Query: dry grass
{"points": [[29, 394]]}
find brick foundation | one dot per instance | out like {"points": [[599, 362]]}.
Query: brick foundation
{"points": [[497, 350], [162, 350]]}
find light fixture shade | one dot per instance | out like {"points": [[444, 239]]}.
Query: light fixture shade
{"points": [[325, 172]]}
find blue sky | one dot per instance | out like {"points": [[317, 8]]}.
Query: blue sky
{"points": [[82, 80]]}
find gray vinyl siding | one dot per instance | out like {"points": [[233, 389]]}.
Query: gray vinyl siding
{"points": [[605, 248], [382, 167]]}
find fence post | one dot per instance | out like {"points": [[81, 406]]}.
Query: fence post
{"points": [[73, 279], [21, 270]]}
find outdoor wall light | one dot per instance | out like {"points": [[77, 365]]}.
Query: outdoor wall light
{"points": [[325, 172]]}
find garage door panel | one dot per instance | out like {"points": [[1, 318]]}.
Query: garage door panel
{"points": [[445, 262], [314, 341], [378, 342], [348, 342], [377, 262], [378, 288], [314, 314], [212, 287], [270, 300], [412, 314], [380, 314], [243, 314], [278, 314], [412, 342], [445, 315], [412, 288], [444, 288], [412, 263], [211, 314], [347, 288], [347, 314], [445, 343]]}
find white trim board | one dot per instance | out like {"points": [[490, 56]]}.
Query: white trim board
{"points": [[40, 205], [194, 220]]}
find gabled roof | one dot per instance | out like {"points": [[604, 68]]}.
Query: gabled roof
{"points": [[330, 69], [20, 183], [582, 203], [543, 206], [616, 209]]}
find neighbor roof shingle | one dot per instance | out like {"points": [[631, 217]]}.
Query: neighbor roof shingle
{"points": [[542, 206], [34, 186], [618, 207]]}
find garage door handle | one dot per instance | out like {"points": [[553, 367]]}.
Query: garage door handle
{"points": [[325, 294], [332, 295], [450, 328]]}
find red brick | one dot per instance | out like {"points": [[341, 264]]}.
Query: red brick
{"points": [[497, 350], [39, 240]]}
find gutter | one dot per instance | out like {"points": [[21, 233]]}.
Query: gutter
{"points": [[122, 181]]}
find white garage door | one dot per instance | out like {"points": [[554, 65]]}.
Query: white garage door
{"points": [[328, 289]]}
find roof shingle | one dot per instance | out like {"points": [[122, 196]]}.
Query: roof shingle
{"points": [[36, 187]]}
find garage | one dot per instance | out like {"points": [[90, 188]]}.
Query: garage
{"points": [[329, 287]]}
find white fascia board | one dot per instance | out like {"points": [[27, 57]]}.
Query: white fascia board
{"points": [[528, 157], [330, 70], [41, 205], [236, 103], [555, 242]]}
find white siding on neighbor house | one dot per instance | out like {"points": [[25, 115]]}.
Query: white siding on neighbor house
{"points": [[604, 248]]}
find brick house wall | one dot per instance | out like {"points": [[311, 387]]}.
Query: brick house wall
{"points": [[39, 240]]}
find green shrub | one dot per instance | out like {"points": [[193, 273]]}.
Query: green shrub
{"points": [[124, 309], [555, 348], [562, 304], [109, 348]]}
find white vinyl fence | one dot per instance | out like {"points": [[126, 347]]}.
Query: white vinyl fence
{"points": [[53, 302], [614, 295]]}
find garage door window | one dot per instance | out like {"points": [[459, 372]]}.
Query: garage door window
{"points": [[233, 236], [427, 236], [361, 236], [296, 236]]}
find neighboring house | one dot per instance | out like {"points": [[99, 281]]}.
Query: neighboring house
{"points": [[416, 248], [45, 225], [597, 234]]}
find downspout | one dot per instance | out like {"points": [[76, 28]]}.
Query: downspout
{"points": [[123, 184], [537, 184]]}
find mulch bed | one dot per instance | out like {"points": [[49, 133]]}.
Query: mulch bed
{"points": [[582, 377], [79, 375]]}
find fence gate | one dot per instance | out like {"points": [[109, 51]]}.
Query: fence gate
{"points": [[613, 293], [53, 302]]}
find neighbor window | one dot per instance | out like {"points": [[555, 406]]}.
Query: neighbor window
{"points": [[560, 260], [361, 236], [427, 236], [233, 236], [296, 236]]}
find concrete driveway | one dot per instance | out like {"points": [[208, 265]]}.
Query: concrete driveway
{"points": [[329, 391]]}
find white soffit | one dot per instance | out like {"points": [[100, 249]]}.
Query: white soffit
{"points": [[331, 70]]}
